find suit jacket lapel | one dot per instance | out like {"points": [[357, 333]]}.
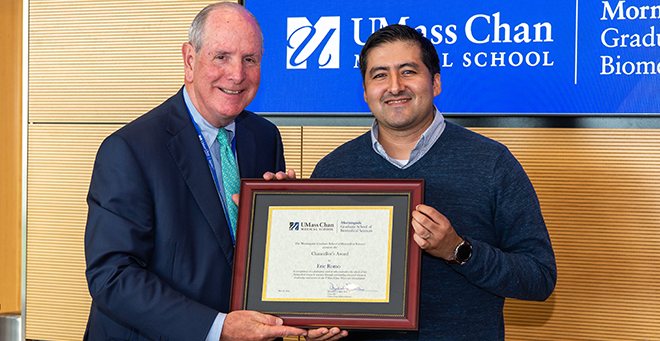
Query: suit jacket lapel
{"points": [[245, 149], [189, 157]]}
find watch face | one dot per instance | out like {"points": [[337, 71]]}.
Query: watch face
{"points": [[464, 252]]}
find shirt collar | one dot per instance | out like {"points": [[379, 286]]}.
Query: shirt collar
{"points": [[425, 142], [209, 132]]}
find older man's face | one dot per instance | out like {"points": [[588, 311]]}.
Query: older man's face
{"points": [[224, 75]]}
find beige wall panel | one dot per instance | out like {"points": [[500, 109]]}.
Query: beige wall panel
{"points": [[105, 61], [10, 154], [319, 141], [292, 140], [61, 159]]}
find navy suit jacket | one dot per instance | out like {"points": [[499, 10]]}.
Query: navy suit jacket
{"points": [[158, 250]]}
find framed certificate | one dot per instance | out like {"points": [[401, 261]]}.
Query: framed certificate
{"points": [[329, 252]]}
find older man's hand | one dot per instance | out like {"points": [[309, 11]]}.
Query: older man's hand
{"points": [[289, 175]]}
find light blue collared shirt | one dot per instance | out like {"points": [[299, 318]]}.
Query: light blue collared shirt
{"points": [[209, 133], [424, 144]]}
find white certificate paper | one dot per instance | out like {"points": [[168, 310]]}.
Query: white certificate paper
{"points": [[328, 254]]}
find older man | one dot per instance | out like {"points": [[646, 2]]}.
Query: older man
{"points": [[481, 226], [161, 223]]}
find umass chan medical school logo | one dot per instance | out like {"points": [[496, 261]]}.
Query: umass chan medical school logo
{"points": [[294, 226], [318, 43]]}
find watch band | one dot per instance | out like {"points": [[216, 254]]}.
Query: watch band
{"points": [[462, 253]]}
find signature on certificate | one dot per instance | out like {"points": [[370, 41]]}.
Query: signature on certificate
{"points": [[346, 287]]}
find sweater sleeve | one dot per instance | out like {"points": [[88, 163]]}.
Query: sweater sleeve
{"points": [[523, 265]]}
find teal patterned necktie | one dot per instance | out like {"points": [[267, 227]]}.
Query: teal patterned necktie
{"points": [[230, 178]]}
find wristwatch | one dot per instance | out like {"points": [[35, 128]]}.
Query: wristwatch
{"points": [[462, 253]]}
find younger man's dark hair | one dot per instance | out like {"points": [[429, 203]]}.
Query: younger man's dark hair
{"points": [[394, 33]]}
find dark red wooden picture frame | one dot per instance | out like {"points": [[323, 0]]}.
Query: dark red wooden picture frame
{"points": [[252, 188]]}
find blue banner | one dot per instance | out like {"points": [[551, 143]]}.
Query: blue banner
{"points": [[501, 57]]}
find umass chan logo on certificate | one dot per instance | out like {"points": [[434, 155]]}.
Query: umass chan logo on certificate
{"points": [[328, 254], [311, 226]]}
